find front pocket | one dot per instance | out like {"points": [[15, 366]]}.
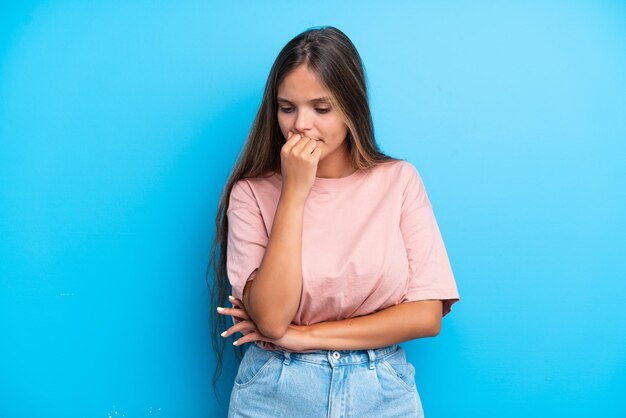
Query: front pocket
{"points": [[400, 370], [255, 361]]}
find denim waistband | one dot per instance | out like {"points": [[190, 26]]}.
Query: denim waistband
{"points": [[335, 358]]}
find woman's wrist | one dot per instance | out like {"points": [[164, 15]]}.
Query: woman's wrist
{"points": [[302, 337], [310, 337]]}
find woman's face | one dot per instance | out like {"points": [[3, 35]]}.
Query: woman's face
{"points": [[304, 107]]}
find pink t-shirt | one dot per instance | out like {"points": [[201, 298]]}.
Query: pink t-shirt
{"points": [[369, 241]]}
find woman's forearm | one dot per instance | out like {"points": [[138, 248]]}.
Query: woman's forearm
{"points": [[393, 325], [274, 293]]}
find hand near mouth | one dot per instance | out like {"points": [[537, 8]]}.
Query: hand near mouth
{"points": [[299, 159]]}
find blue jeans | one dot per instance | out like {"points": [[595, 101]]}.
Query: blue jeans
{"points": [[327, 383]]}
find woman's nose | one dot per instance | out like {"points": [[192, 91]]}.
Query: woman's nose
{"points": [[302, 122]]}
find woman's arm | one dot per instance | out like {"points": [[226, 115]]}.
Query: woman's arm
{"points": [[393, 325], [273, 296], [396, 324]]}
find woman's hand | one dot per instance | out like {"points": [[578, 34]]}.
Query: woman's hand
{"points": [[296, 338], [299, 158]]}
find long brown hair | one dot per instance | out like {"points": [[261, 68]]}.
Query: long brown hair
{"points": [[329, 53]]}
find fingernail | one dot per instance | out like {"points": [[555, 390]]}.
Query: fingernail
{"points": [[231, 297], [223, 333], [220, 309], [235, 343]]}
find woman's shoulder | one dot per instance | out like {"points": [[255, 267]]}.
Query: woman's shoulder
{"points": [[397, 169], [248, 190], [269, 177]]}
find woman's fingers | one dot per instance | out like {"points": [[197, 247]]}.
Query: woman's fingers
{"points": [[252, 336], [309, 147], [304, 146], [240, 313], [315, 155], [292, 140], [236, 302], [241, 326]]}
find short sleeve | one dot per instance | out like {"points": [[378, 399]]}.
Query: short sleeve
{"points": [[247, 237], [430, 273]]}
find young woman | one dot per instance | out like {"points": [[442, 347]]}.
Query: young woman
{"points": [[331, 248]]}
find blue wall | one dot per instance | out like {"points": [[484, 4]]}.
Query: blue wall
{"points": [[120, 121]]}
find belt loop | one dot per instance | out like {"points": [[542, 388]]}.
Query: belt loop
{"points": [[287, 360], [372, 355]]}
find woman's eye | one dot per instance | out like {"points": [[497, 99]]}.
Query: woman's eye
{"points": [[290, 109]]}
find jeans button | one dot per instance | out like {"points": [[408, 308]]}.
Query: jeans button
{"points": [[336, 355]]}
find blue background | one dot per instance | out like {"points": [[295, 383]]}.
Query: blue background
{"points": [[120, 122]]}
